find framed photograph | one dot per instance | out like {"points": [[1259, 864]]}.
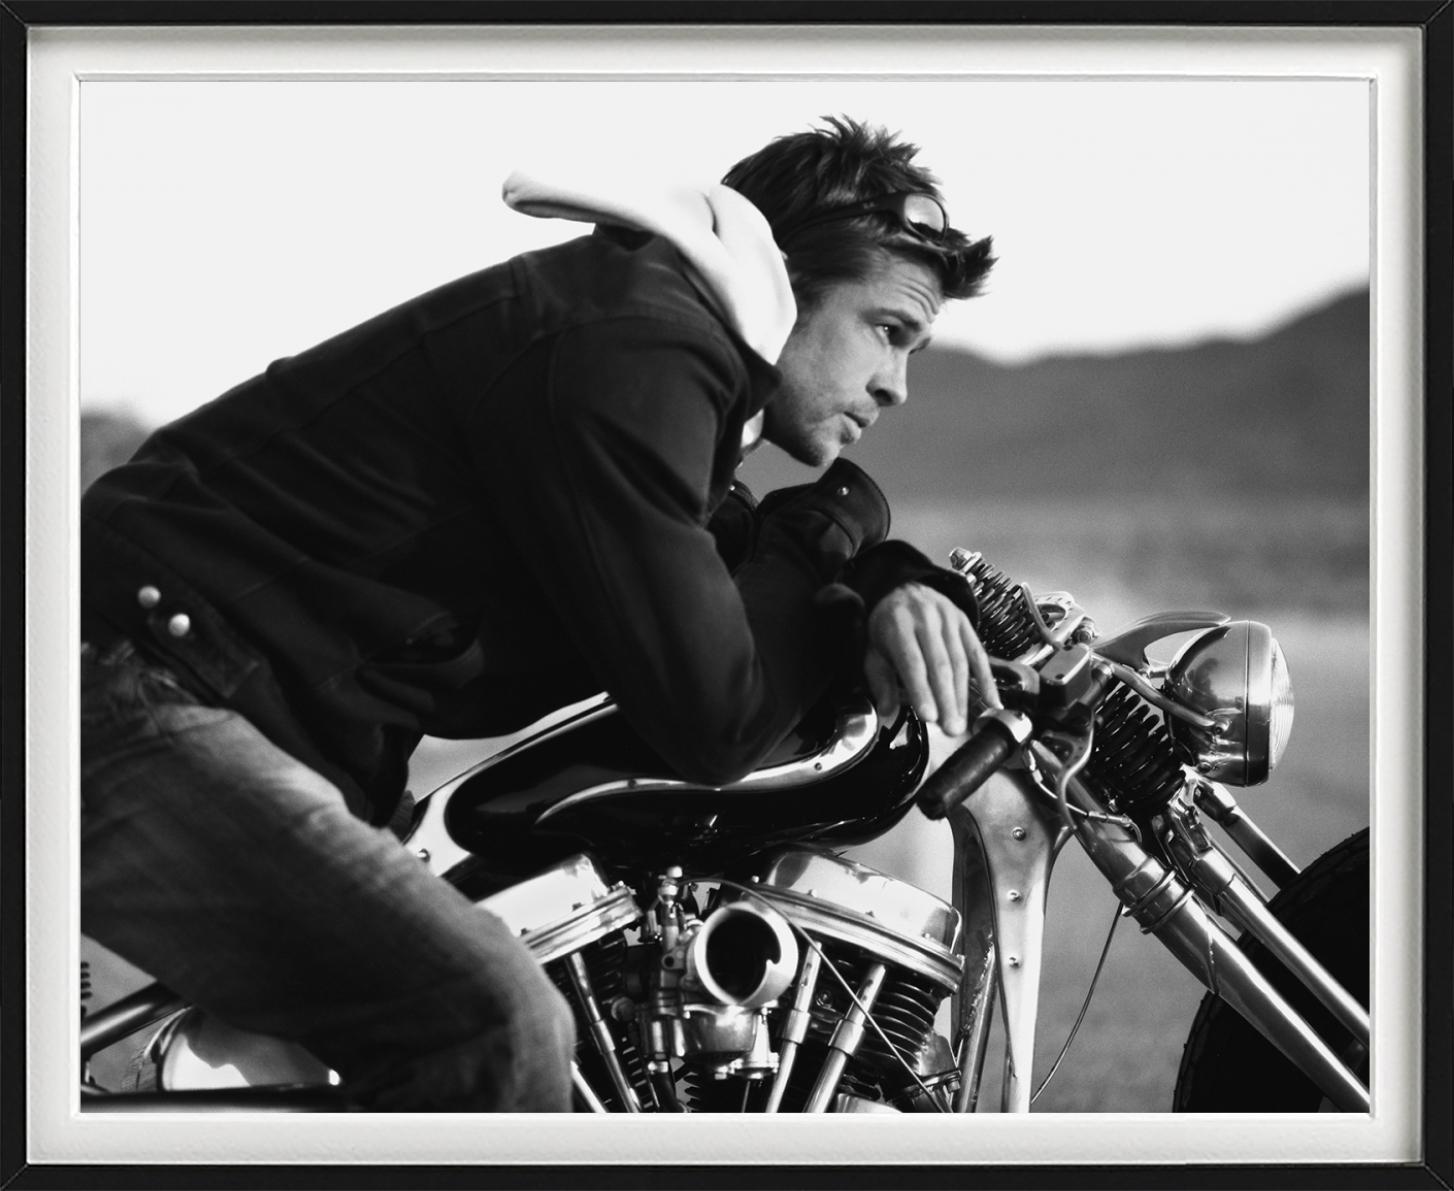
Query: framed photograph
{"points": [[1210, 369]]}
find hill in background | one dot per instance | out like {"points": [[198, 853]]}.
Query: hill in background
{"points": [[1233, 472], [1285, 415], [109, 437]]}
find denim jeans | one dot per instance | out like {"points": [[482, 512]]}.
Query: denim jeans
{"points": [[236, 876]]}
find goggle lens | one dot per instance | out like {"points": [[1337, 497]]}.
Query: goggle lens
{"points": [[924, 215], [918, 214]]}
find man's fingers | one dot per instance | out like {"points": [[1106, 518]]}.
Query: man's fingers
{"points": [[883, 684], [959, 661], [939, 669], [913, 669], [923, 649]]}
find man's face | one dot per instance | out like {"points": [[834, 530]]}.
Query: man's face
{"points": [[847, 359]]}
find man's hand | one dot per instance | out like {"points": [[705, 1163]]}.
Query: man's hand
{"points": [[922, 648]]}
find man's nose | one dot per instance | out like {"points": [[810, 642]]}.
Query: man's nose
{"points": [[891, 383]]}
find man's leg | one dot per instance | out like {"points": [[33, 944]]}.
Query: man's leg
{"points": [[238, 878]]}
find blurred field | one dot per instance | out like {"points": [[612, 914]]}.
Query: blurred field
{"points": [[1123, 559]]}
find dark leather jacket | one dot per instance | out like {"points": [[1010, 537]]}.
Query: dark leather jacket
{"points": [[481, 505]]}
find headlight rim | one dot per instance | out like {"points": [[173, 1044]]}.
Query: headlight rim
{"points": [[1237, 751]]}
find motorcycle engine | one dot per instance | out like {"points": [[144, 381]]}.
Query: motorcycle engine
{"points": [[809, 985]]}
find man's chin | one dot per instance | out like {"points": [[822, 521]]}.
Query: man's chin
{"points": [[812, 452]]}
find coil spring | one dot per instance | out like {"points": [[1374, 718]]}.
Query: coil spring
{"points": [[1005, 626], [85, 985], [904, 1011], [1134, 762]]}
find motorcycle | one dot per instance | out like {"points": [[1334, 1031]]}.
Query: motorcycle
{"points": [[721, 955]]}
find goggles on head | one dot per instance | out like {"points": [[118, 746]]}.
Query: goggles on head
{"points": [[917, 213]]}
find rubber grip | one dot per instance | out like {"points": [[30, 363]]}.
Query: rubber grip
{"points": [[971, 765]]}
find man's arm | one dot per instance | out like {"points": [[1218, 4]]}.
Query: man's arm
{"points": [[920, 640], [600, 473]]}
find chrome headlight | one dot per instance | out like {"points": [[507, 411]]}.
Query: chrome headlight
{"points": [[1236, 676]]}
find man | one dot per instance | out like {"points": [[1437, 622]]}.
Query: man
{"points": [[493, 500]]}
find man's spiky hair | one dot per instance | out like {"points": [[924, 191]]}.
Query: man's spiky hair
{"points": [[800, 175]]}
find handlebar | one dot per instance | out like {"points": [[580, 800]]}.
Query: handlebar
{"points": [[996, 736]]}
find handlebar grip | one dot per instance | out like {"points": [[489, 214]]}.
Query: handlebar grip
{"points": [[996, 737]]}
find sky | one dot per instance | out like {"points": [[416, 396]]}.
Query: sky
{"points": [[225, 223]]}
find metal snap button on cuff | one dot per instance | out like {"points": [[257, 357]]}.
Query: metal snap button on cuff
{"points": [[179, 625], [148, 596], [843, 492]]}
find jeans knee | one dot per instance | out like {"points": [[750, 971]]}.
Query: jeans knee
{"points": [[517, 1059], [543, 1036]]}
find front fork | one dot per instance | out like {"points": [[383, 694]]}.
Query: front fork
{"points": [[1004, 848], [1005, 840]]}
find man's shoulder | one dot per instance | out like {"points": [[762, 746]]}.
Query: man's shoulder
{"points": [[614, 274]]}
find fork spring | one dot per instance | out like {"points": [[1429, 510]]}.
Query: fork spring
{"points": [[1134, 761], [1005, 625]]}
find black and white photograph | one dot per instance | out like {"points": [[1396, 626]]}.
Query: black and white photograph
{"points": [[727, 573]]}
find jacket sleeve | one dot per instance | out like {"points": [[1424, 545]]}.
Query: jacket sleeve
{"points": [[600, 472], [873, 572]]}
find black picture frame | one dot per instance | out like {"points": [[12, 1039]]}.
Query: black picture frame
{"points": [[1434, 18]]}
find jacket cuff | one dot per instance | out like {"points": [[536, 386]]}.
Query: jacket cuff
{"points": [[845, 494], [879, 570]]}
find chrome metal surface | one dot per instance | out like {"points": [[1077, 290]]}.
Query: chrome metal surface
{"points": [[795, 1027], [974, 1013], [1152, 695], [743, 955], [1220, 883], [1017, 725], [564, 908], [1226, 675], [846, 1040], [1166, 908], [855, 730], [722, 1030], [846, 1103], [1129, 645], [587, 1093], [842, 899], [600, 1032], [140, 1009], [731, 1041], [1005, 842], [1223, 809]]}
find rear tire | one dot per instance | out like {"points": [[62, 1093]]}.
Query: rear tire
{"points": [[1227, 1066]]}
